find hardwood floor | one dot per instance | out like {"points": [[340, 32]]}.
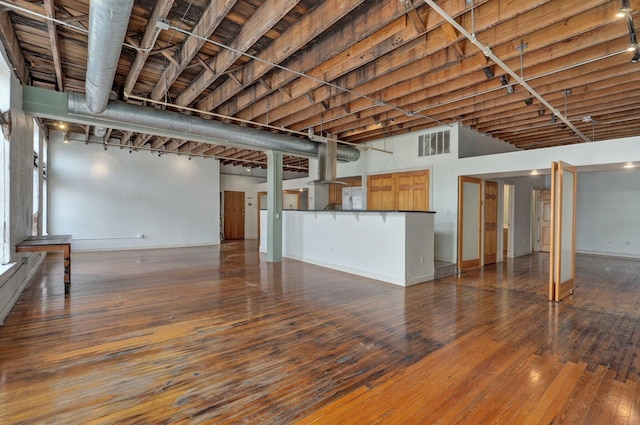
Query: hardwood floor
{"points": [[217, 335]]}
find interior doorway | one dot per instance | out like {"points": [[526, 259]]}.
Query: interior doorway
{"points": [[490, 222], [469, 223], [233, 215], [543, 219], [507, 220]]}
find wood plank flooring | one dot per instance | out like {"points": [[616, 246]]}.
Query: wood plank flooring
{"points": [[217, 335]]}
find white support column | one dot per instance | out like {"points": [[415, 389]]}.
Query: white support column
{"points": [[274, 206]]}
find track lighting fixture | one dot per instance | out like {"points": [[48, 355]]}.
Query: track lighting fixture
{"points": [[528, 101], [488, 72], [504, 80], [624, 9], [554, 118]]}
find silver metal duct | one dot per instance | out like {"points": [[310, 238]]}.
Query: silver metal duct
{"points": [[186, 127], [327, 157], [108, 22]]}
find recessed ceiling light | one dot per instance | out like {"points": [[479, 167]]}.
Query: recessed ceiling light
{"points": [[629, 165], [534, 172]]}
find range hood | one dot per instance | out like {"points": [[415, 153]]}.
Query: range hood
{"points": [[327, 162]]}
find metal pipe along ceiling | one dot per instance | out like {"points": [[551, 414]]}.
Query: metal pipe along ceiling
{"points": [[188, 126], [488, 53], [108, 21]]}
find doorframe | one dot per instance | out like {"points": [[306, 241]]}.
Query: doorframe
{"points": [[470, 264], [511, 217], [536, 222]]}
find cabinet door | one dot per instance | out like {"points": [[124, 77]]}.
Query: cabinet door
{"points": [[413, 191]]}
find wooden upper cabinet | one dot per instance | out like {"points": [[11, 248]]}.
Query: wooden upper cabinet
{"points": [[381, 192], [413, 191], [408, 191]]}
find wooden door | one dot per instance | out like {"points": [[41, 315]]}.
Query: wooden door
{"points": [[413, 191], [233, 215], [544, 221], [469, 223], [562, 257], [262, 205], [490, 222], [381, 192]]}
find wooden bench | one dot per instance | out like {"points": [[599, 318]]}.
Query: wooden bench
{"points": [[50, 243]]}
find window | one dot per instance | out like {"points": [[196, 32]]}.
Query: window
{"points": [[4, 163], [36, 178], [436, 143]]}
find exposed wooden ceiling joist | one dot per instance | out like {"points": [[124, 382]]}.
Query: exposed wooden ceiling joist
{"points": [[378, 68]]}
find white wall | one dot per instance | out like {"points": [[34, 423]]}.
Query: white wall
{"points": [[471, 143], [608, 208], [248, 185], [104, 199], [522, 219], [445, 170]]}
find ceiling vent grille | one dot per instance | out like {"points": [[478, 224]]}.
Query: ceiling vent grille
{"points": [[436, 143]]}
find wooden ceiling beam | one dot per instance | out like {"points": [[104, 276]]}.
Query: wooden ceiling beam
{"points": [[352, 45], [453, 36], [12, 47], [410, 79], [158, 142], [73, 19], [201, 149], [211, 18], [263, 19], [585, 103], [367, 55], [294, 38], [160, 11], [30, 6], [141, 139], [49, 8], [413, 15]]}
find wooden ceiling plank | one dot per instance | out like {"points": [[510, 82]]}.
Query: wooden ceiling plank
{"points": [[414, 16], [294, 38], [12, 47], [211, 18], [357, 39], [264, 18], [158, 142], [411, 78], [160, 11], [452, 36], [53, 40], [141, 139], [30, 6], [390, 36], [73, 19]]}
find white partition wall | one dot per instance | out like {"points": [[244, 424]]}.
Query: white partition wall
{"points": [[394, 247]]}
